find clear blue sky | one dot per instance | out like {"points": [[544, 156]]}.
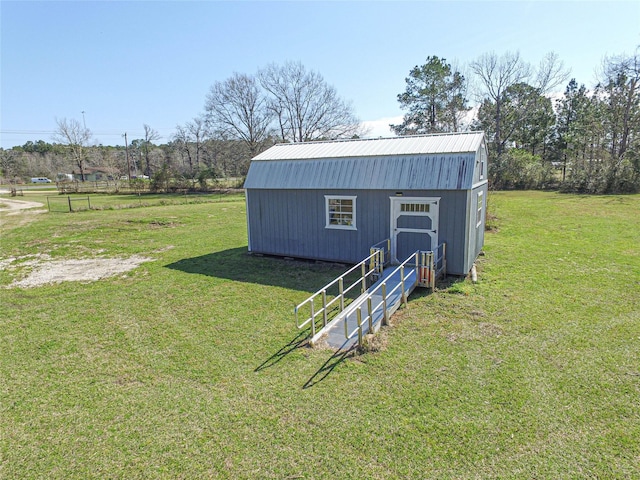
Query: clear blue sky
{"points": [[129, 63]]}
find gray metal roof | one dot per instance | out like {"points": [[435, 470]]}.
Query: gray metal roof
{"points": [[429, 162], [408, 145]]}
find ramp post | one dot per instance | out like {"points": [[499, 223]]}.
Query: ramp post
{"points": [[346, 327], [385, 314], [324, 307], [404, 295], [359, 316], [432, 270], [313, 320], [363, 269], [444, 259]]}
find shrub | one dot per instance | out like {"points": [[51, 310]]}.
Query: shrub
{"points": [[518, 170]]}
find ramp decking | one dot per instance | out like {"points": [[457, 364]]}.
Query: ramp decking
{"points": [[376, 304], [334, 332]]}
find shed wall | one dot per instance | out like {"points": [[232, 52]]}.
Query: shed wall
{"points": [[475, 225], [291, 223], [481, 165]]}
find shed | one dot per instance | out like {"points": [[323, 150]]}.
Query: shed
{"points": [[333, 200]]}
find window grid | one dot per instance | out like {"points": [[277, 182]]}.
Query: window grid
{"points": [[414, 207], [341, 212]]}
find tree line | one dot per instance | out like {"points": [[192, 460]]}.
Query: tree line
{"points": [[243, 115], [176, 160], [585, 140]]}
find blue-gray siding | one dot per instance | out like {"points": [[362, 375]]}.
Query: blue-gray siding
{"points": [[475, 226], [287, 184], [480, 170], [291, 222]]}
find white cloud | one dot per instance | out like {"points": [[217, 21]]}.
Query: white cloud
{"points": [[380, 127]]}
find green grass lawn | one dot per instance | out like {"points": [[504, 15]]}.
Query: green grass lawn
{"points": [[190, 365], [57, 203]]}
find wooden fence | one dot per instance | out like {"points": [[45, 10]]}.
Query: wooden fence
{"points": [[68, 203]]}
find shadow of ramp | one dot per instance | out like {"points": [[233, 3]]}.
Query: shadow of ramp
{"points": [[300, 341], [236, 264], [300, 275], [325, 370]]}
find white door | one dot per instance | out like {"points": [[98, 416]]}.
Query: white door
{"points": [[414, 226]]}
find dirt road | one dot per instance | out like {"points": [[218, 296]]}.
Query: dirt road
{"points": [[14, 206]]}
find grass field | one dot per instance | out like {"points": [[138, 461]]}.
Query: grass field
{"points": [[190, 366], [56, 203]]}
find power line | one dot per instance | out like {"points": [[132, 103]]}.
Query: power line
{"points": [[49, 132], [112, 133], [27, 132]]}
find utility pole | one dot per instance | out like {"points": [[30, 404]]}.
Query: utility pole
{"points": [[126, 149]]}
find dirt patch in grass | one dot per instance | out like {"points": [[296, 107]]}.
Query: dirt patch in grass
{"points": [[375, 342], [21, 212], [44, 271], [14, 206]]}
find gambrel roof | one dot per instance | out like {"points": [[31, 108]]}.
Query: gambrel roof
{"points": [[425, 162]]}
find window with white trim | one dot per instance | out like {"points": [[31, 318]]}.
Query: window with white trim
{"points": [[480, 207], [340, 211]]}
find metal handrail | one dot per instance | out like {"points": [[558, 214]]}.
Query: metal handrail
{"points": [[441, 259], [385, 295], [385, 246], [378, 262], [342, 291], [434, 262], [384, 243], [434, 259]]}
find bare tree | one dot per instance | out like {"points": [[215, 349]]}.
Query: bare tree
{"points": [[9, 165], [237, 108], [182, 139], [497, 74], [620, 82], [550, 73], [150, 135], [306, 107], [76, 137], [198, 132], [191, 140]]}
